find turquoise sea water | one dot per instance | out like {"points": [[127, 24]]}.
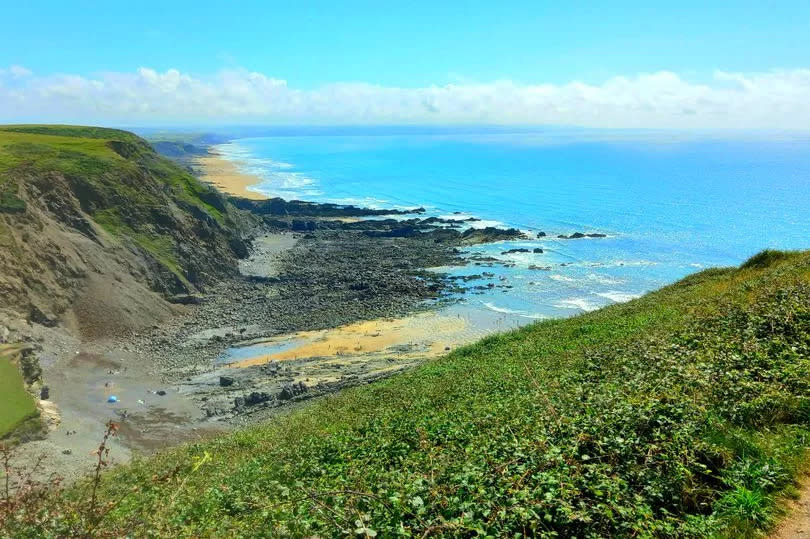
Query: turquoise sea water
{"points": [[670, 203]]}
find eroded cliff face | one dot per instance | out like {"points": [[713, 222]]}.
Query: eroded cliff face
{"points": [[97, 231]]}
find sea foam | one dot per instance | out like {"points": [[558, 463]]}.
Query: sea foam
{"points": [[577, 303]]}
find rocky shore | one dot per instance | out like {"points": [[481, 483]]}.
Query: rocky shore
{"points": [[311, 272], [271, 303]]}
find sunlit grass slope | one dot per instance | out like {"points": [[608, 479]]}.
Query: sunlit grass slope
{"points": [[16, 405]]}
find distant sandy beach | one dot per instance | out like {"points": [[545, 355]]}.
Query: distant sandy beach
{"points": [[225, 175]]}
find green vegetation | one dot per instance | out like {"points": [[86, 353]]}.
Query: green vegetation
{"points": [[683, 413], [74, 131], [119, 180], [16, 405]]}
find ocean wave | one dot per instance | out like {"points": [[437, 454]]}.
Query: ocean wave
{"points": [[577, 303], [562, 278], [366, 202], [460, 215], [591, 278], [601, 279], [614, 263], [504, 310], [631, 263], [483, 223], [282, 180], [618, 297]]}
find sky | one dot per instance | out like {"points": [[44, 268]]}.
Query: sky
{"points": [[703, 64]]}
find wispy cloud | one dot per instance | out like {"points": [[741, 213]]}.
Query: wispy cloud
{"points": [[775, 99]]}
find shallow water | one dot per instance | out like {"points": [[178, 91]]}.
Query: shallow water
{"points": [[670, 203]]}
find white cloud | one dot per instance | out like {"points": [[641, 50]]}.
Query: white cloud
{"points": [[19, 72], [777, 99]]}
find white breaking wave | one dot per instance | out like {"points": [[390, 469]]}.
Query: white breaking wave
{"points": [[601, 279], [614, 263], [276, 178], [591, 277], [281, 180], [631, 263], [504, 310], [618, 297], [577, 303], [562, 278], [368, 202]]}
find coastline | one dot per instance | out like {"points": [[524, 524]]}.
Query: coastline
{"points": [[226, 176], [373, 307]]}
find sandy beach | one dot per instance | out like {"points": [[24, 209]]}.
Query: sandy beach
{"points": [[226, 177], [425, 335]]}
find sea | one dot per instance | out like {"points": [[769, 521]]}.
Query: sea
{"points": [[670, 203]]}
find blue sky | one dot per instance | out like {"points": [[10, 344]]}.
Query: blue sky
{"points": [[407, 45], [410, 43]]}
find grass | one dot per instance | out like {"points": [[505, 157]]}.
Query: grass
{"points": [[73, 132], [16, 405], [683, 413], [120, 181]]}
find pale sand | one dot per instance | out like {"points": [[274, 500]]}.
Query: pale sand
{"points": [[428, 334], [225, 176]]}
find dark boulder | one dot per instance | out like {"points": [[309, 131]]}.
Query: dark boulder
{"points": [[42, 317], [490, 234], [521, 250], [226, 381], [257, 398], [300, 225], [292, 390], [537, 250], [578, 235]]}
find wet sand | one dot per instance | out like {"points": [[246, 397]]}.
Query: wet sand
{"points": [[429, 333], [225, 176]]}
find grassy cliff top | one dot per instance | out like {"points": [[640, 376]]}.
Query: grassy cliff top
{"points": [[685, 412], [101, 156], [73, 131]]}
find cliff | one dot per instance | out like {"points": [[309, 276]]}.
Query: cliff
{"points": [[97, 229]]}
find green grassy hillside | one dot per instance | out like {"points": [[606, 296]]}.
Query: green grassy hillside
{"points": [[683, 413], [16, 405]]}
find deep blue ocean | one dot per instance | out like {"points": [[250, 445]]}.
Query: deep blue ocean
{"points": [[670, 203]]}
